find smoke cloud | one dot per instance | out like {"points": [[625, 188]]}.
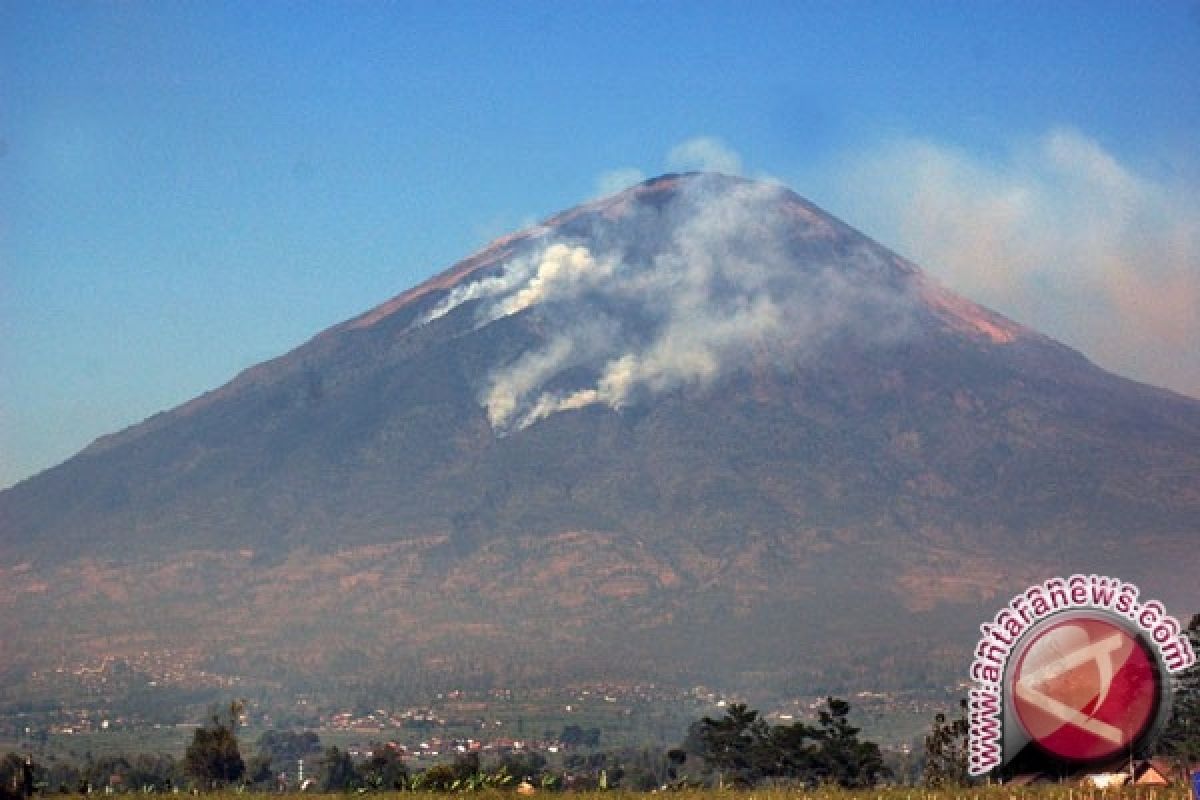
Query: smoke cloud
{"points": [[1058, 234], [723, 289], [557, 271], [705, 154], [615, 180]]}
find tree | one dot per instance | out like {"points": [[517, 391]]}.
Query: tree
{"points": [[525, 765], [796, 752], [18, 776], [284, 748], [213, 760], [576, 736], [62, 776], [1180, 739], [676, 758], [157, 770], [734, 745], [946, 751], [744, 750], [259, 772], [438, 778], [841, 758], [279, 752], [125, 773], [385, 769], [338, 771], [642, 768]]}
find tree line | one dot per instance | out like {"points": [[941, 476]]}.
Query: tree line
{"points": [[738, 748], [741, 749]]}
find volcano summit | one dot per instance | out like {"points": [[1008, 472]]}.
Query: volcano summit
{"points": [[696, 431]]}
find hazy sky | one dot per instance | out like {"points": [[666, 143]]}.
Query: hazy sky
{"points": [[188, 188]]}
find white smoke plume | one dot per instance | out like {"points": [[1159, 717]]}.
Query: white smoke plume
{"points": [[706, 154], [485, 287], [557, 271], [1057, 233], [723, 291], [562, 271], [614, 180]]}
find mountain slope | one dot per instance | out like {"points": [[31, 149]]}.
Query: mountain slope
{"points": [[701, 422]]}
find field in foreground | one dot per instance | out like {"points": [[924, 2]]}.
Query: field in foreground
{"points": [[1046, 792]]}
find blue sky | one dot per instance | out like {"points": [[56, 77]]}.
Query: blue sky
{"points": [[188, 188]]}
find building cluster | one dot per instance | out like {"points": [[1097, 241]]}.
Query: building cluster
{"points": [[112, 673]]}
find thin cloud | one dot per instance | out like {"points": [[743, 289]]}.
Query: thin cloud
{"points": [[705, 154], [1058, 233], [615, 180]]}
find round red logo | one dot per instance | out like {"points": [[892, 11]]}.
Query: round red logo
{"points": [[1085, 689]]}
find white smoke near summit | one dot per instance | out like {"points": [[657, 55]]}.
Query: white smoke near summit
{"points": [[721, 291], [561, 271], [554, 273], [705, 153]]}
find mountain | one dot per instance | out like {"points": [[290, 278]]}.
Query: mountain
{"points": [[696, 431]]}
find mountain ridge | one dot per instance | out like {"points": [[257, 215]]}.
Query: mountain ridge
{"points": [[969, 316]]}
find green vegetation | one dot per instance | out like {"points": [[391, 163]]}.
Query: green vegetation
{"points": [[16, 777], [213, 759], [742, 750], [1180, 741], [946, 751]]}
